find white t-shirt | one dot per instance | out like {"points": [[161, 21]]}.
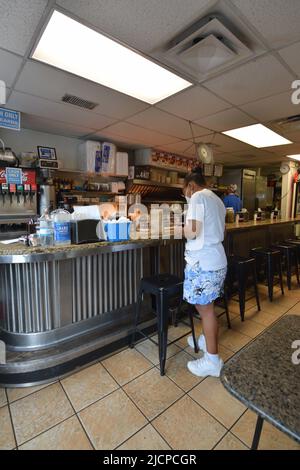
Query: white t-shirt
{"points": [[207, 248]]}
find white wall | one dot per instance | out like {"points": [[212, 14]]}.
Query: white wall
{"points": [[27, 141]]}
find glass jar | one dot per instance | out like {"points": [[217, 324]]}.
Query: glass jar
{"points": [[229, 215]]}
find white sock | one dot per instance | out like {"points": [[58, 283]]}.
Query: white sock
{"points": [[215, 358]]}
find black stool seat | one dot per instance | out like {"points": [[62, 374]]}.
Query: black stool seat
{"points": [[243, 268], [272, 259], [290, 257], [163, 287], [167, 282]]}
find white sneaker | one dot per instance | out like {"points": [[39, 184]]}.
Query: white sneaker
{"points": [[201, 343], [204, 367]]}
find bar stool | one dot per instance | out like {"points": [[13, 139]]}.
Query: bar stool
{"points": [[290, 257], [272, 260], [163, 287], [240, 269], [294, 242]]}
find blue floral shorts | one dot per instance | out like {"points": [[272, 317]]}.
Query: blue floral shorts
{"points": [[203, 287]]}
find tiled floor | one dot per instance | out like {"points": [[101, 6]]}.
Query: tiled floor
{"points": [[123, 403]]}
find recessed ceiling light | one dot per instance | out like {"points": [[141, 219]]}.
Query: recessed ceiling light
{"points": [[294, 157], [258, 136], [71, 46]]}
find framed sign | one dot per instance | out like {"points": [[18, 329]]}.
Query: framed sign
{"points": [[47, 153]]}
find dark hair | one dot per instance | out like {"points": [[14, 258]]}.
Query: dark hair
{"points": [[196, 176]]}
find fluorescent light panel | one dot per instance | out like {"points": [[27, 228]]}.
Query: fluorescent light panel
{"points": [[71, 46], [258, 136], [294, 157]]}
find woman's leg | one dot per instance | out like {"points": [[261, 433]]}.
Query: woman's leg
{"points": [[210, 326]]}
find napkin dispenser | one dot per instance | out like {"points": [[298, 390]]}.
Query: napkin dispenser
{"points": [[87, 231]]}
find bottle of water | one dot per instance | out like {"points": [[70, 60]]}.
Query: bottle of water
{"points": [[46, 232], [62, 227]]}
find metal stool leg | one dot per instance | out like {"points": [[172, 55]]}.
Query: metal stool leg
{"points": [[163, 318], [288, 266], [225, 297], [137, 315], [196, 348], [270, 277], [242, 292], [280, 274], [257, 433], [255, 287]]}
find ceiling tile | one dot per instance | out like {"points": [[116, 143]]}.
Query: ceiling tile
{"points": [[290, 149], [48, 82], [179, 147], [273, 107], [259, 78], [226, 120], [59, 111], [142, 24], [222, 143], [138, 134], [276, 20], [121, 142], [193, 104], [53, 127], [19, 20], [163, 122], [290, 55], [12, 63]]}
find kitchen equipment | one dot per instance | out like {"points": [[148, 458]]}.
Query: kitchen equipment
{"points": [[7, 156], [47, 200], [84, 231]]}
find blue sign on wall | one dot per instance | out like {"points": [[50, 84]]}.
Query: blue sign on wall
{"points": [[10, 119], [14, 176]]}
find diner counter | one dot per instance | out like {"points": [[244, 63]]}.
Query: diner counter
{"points": [[60, 307], [252, 225]]}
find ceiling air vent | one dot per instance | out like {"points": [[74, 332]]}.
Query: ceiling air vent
{"points": [[289, 124], [76, 101], [207, 46]]}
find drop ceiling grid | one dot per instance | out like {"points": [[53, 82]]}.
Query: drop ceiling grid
{"points": [[233, 106]]}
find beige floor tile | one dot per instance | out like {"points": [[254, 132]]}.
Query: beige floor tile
{"points": [[263, 318], [38, 412], [175, 332], [3, 399], [146, 439], [127, 365], [213, 397], [234, 305], [68, 435], [88, 385], [284, 301], [294, 310], [176, 369], [153, 393], [111, 421], [17, 393], [230, 442], [187, 426], [277, 307], [247, 327], [150, 350], [7, 440], [233, 340], [271, 438]]}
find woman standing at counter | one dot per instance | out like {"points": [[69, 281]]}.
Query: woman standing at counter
{"points": [[206, 266]]}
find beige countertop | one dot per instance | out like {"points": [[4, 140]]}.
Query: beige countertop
{"points": [[260, 223]]}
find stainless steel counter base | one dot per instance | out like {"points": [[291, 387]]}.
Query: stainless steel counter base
{"points": [[59, 311]]}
